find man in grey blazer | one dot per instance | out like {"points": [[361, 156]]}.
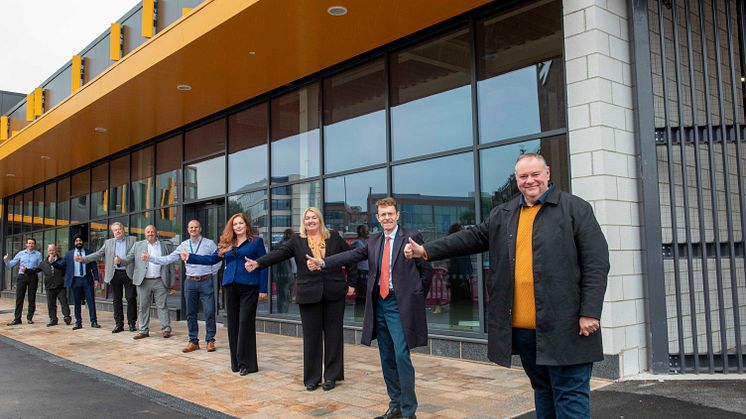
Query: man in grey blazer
{"points": [[118, 277], [151, 280]]}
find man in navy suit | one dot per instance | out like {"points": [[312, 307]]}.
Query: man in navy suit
{"points": [[81, 278], [395, 304]]}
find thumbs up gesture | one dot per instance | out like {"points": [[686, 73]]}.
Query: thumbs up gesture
{"points": [[413, 250], [145, 256], [250, 264], [185, 256]]}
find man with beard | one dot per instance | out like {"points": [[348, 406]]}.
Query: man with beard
{"points": [[82, 277], [54, 282]]}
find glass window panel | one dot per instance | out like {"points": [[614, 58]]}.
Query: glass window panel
{"points": [[439, 202], [520, 88], [63, 202], [98, 233], [28, 211], [349, 208], [431, 96], [295, 134], [118, 186], [168, 223], [254, 205], [100, 190], [247, 161], [141, 191], [81, 187], [497, 177], [168, 171], [9, 223], [50, 204], [38, 208], [63, 239], [354, 118], [206, 140], [204, 179], [138, 222]]}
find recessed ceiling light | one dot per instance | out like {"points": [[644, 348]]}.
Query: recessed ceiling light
{"points": [[337, 10], [45, 157], [10, 174], [252, 52], [184, 87], [743, 78], [100, 129]]}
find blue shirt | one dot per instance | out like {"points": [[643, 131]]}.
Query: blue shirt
{"points": [[235, 272], [202, 247], [79, 266], [28, 260], [120, 249]]}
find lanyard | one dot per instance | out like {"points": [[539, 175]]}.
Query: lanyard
{"points": [[198, 245]]}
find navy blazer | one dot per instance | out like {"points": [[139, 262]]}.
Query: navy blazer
{"points": [[68, 265], [235, 272]]}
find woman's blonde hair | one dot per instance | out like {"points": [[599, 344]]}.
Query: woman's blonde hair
{"points": [[322, 226], [228, 239]]}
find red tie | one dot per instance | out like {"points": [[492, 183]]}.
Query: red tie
{"points": [[385, 268]]}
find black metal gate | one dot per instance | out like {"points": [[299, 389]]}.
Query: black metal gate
{"points": [[693, 153]]}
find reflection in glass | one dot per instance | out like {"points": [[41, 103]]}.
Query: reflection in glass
{"points": [[118, 184], [254, 205], [497, 176], [354, 118], [28, 211], [431, 96], [284, 223], [205, 141], [204, 179], [81, 186], [168, 171], [295, 134], [439, 202], [138, 222], [38, 208], [63, 202], [141, 190], [350, 209], [520, 73], [98, 233], [100, 190], [247, 148], [50, 204], [168, 223]]}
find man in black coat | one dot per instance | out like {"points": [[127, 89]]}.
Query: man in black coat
{"points": [[54, 283], [395, 304], [549, 263]]}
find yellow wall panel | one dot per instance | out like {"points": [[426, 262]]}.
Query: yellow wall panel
{"points": [[38, 101], [77, 76], [4, 127], [148, 17], [30, 107], [115, 41]]}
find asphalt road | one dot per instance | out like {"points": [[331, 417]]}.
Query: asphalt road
{"points": [[36, 384]]}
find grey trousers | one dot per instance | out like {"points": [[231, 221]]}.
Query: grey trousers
{"points": [[145, 292]]}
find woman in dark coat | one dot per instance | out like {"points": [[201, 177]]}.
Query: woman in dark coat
{"points": [[320, 296]]}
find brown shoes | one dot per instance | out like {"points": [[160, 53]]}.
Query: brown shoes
{"points": [[210, 347], [141, 335], [191, 347], [167, 334]]}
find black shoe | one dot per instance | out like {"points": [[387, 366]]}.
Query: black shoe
{"points": [[14, 322], [410, 417], [394, 413], [133, 328], [68, 320], [95, 325], [77, 326], [29, 321], [52, 323], [119, 328], [243, 371], [312, 387], [328, 385]]}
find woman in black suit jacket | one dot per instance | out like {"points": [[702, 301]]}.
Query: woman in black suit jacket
{"points": [[320, 297]]}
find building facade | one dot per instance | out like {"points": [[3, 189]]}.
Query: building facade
{"points": [[270, 108]]}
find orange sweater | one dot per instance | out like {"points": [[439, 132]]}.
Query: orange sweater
{"points": [[524, 306]]}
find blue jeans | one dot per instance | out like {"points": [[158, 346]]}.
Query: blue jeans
{"points": [[83, 288], [398, 371], [194, 292], [559, 391]]}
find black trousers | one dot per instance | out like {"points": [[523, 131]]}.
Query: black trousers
{"points": [[52, 296], [122, 284], [26, 283], [240, 310], [323, 340]]}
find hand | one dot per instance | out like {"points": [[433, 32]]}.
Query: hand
{"points": [[185, 256], [262, 296], [23, 269], [79, 258], [95, 283], [250, 264], [350, 291], [5, 258], [50, 258], [117, 260], [145, 256], [588, 326], [413, 250], [314, 264]]}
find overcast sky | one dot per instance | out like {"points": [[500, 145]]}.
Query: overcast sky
{"points": [[40, 36]]}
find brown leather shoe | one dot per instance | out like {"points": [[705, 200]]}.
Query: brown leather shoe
{"points": [[167, 334], [210, 347], [191, 347], [141, 335]]}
